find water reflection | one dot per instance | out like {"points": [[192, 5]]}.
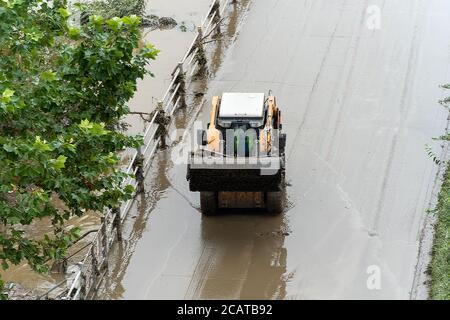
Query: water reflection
{"points": [[243, 257]]}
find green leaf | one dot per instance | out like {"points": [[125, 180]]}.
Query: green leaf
{"points": [[3, 294], [9, 148], [12, 3], [96, 20], [74, 33], [64, 12], [76, 232], [132, 20], [114, 24], [85, 124], [7, 94], [34, 34], [149, 52], [59, 162], [93, 128], [128, 189], [80, 6], [111, 159], [41, 145], [48, 76], [99, 129]]}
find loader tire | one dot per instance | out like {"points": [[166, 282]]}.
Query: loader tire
{"points": [[274, 202], [208, 203]]}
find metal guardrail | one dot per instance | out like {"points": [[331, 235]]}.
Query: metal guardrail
{"points": [[94, 265]]}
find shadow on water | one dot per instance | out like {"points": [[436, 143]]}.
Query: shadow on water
{"points": [[243, 257]]}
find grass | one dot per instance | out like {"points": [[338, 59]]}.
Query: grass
{"points": [[439, 267]]}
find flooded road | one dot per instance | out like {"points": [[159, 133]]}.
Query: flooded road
{"points": [[359, 104]]}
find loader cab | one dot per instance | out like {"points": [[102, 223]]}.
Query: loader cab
{"points": [[239, 117], [241, 111]]}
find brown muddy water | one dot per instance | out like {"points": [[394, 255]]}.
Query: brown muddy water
{"points": [[173, 43], [359, 102]]}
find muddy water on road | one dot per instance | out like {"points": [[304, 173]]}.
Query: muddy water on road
{"points": [[359, 105], [173, 44]]}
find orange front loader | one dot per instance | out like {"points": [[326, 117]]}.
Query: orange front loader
{"points": [[240, 160]]}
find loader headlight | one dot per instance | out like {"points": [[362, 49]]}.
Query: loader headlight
{"points": [[255, 124], [225, 124]]}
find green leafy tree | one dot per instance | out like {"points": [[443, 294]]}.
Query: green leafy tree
{"points": [[63, 92]]}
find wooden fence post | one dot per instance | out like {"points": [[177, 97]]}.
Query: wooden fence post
{"points": [[217, 17], [117, 223], [200, 56], [104, 244], [182, 89], [139, 165]]}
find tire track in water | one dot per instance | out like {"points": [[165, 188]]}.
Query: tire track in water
{"points": [[407, 84], [317, 78]]}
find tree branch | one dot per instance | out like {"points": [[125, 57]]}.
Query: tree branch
{"points": [[143, 114]]}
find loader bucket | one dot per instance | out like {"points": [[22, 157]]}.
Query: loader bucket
{"points": [[238, 174]]}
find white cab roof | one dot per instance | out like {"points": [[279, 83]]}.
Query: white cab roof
{"points": [[241, 105]]}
